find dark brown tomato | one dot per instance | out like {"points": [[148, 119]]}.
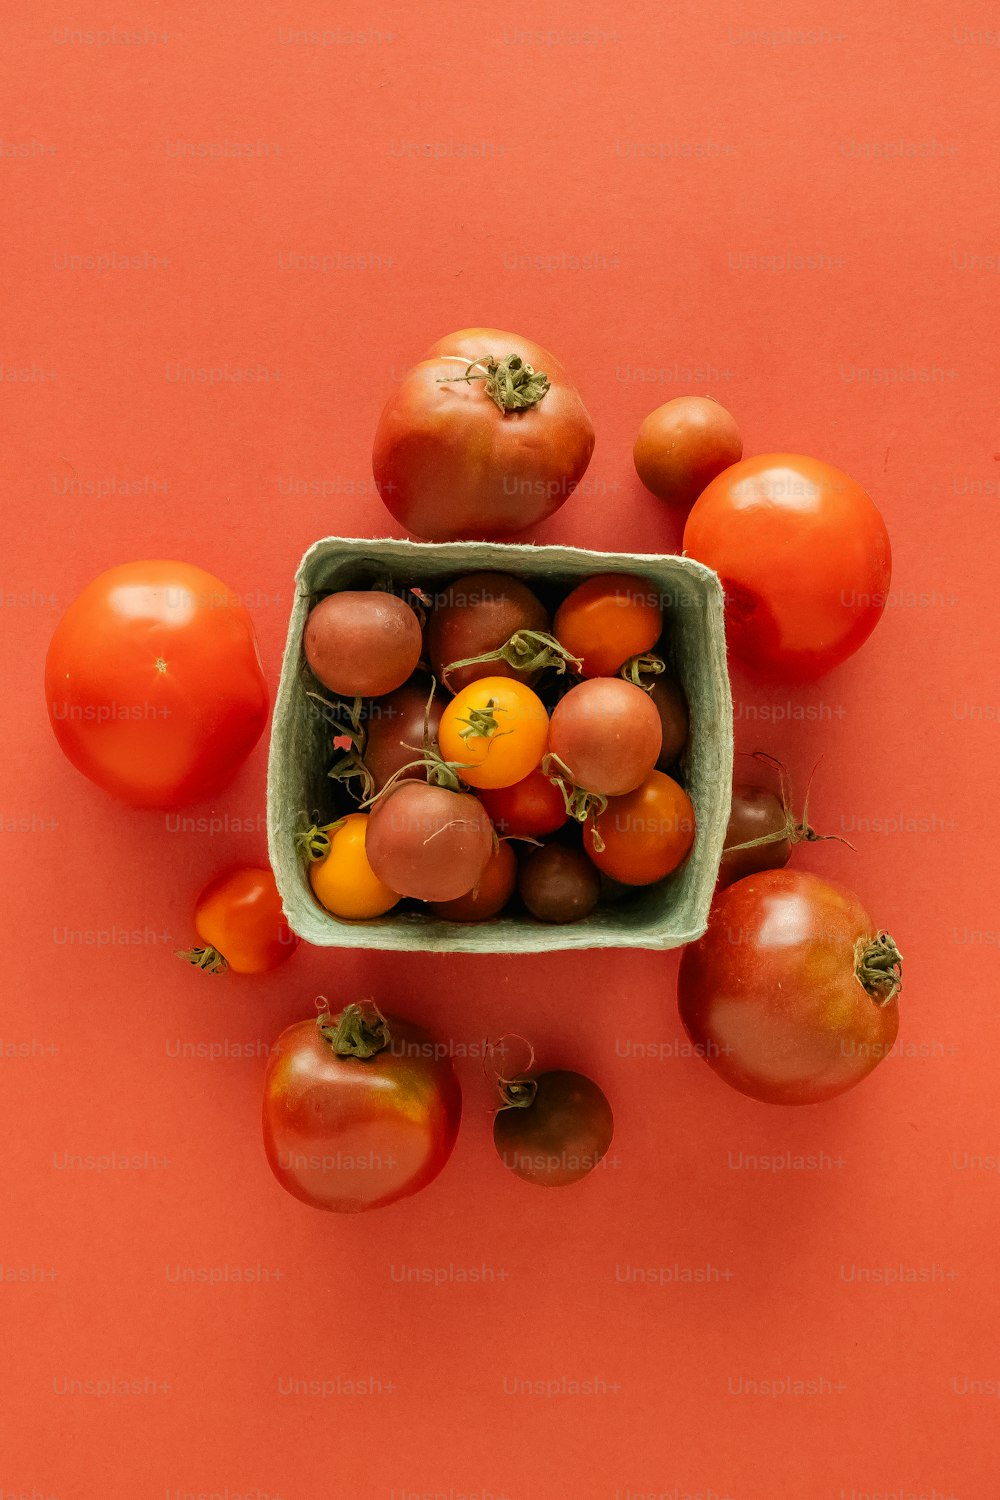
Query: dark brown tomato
{"points": [[668, 698], [683, 445], [394, 724], [756, 813], [558, 883], [475, 614], [561, 1136]]}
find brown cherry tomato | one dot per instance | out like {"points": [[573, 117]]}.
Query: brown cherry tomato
{"points": [[429, 842], [668, 698], [362, 642], [558, 883], [756, 812], [560, 1136], [684, 444], [394, 725], [606, 735], [479, 613], [489, 895]]}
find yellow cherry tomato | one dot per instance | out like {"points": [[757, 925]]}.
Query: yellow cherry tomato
{"points": [[496, 729], [343, 881]]}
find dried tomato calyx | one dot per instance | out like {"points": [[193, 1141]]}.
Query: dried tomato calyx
{"points": [[359, 1031], [510, 383], [878, 964]]}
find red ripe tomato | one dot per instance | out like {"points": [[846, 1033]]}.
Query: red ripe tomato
{"points": [[791, 993], [427, 841], [607, 735], [684, 444], [241, 925], [359, 1110], [557, 1129], [608, 619], [490, 893], [154, 684], [529, 809], [804, 559], [362, 642], [483, 456], [644, 835]]}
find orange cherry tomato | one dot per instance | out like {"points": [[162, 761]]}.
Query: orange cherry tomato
{"points": [[646, 834], [343, 881], [608, 619], [489, 895], [241, 925], [496, 730]]}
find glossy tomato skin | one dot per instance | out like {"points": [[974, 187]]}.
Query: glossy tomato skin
{"points": [[154, 684], [515, 747], [478, 613], [343, 881], [449, 464], [667, 695], [240, 915], [559, 884], [607, 619], [645, 835], [770, 996], [349, 1134], [531, 808], [683, 445], [607, 733], [804, 559], [755, 812], [559, 1138]]}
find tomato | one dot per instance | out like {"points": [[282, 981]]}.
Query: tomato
{"points": [[359, 1110], [644, 835], [394, 729], [530, 808], [756, 812], [668, 698], [362, 642], [477, 442], [343, 881], [428, 841], [154, 685], [490, 893], [477, 614], [558, 883], [684, 444], [555, 1133], [791, 993], [608, 619], [494, 732], [804, 559], [606, 734], [241, 925]]}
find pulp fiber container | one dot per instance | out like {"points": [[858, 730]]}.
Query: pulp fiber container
{"points": [[299, 790]]}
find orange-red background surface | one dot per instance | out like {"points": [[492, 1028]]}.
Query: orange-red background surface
{"points": [[804, 223]]}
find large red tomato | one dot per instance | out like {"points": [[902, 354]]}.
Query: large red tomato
{"points": [[154, 684], [359, 1110], [791, 994], [804, 559], [476, 443]]}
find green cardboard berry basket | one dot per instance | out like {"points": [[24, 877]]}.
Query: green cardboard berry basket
{"points": [[298, 789]]}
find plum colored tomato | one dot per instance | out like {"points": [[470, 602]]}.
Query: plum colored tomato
{"points": [[429, 842], [644, 835], [154, 684], [343, 881], [668, 698], [240, 925], [606, 733], [479, 613], [683, 445], [394, 725], [557, 1136], [483, 438], [608, 619], [756, 812], [494, 731], [529, 809], [804, 559], [791, 993], [360, 1110], [362, 642], [558, 883], [490, 893]]}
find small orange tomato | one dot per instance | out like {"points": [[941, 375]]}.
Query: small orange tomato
{"points": [[240, 923], [608, 619], [489, 895], [646, 834], [343, 881], [495, 730]]}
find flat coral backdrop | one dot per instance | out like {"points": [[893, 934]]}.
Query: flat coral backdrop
{"points": [[229, 230]]}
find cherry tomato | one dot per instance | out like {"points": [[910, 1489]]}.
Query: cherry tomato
{"points": [[394, 725], [558, 883], [667, 696], [804, 559], [530, 808], [473, 445], [559, 1136], [684, 444], [495, 731], [608, 619], [479, 613], [154, 684], [428, 841], [791, 993], [241, 925], [489, 895], [359, 1110], [607, 735], [362, 642], [756, 812], [644, 835], [343, 881]]}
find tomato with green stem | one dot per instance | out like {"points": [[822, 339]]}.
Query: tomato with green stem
{"points": [[494, 731], [476, 614], [241, 925], [340, 874], [552, 1129], [604, 739], [608, 619]]}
